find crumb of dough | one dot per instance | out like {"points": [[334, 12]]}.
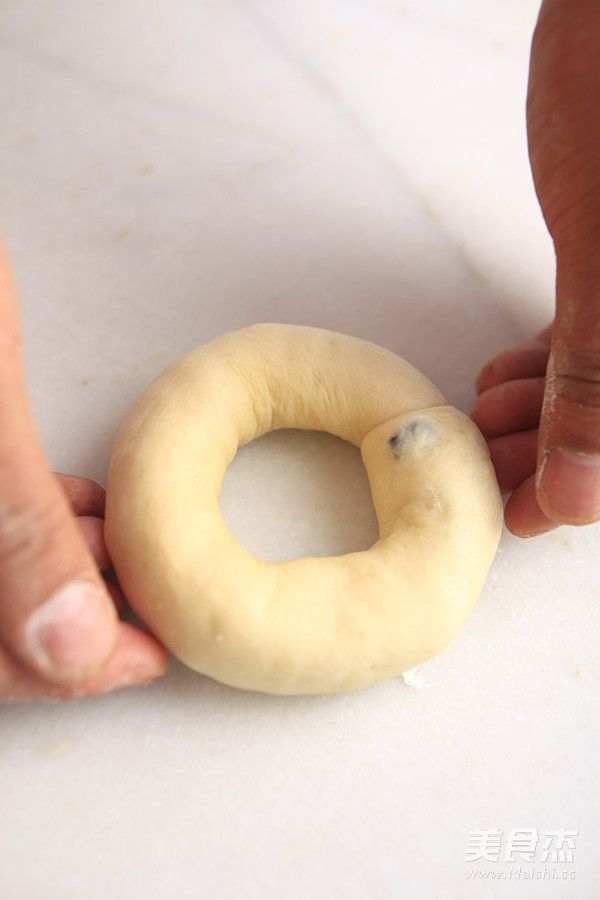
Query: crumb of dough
{"points": [[413, 678]]}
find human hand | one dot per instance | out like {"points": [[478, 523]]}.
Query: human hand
{"points": [[60, 636], [539, 404]]}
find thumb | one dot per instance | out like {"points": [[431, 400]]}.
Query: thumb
{"points": [[564, 138], [568, 478], [55, 615]]}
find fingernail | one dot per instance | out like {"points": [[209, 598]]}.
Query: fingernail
{"points": [[72, 633], [570, 485]]}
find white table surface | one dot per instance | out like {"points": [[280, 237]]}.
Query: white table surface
{"points": [[173, 170]]}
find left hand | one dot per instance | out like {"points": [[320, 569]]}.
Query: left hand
{"points": [[138, 657], [60, 635]]}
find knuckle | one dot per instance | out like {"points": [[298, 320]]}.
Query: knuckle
{"points": [[576, 379], [573, 414], [579, 392], [28, 531]]}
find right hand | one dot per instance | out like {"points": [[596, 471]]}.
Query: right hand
{"points": [[540, 403]]}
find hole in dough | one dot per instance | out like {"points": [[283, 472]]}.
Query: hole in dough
{"points": [[296, 493]]}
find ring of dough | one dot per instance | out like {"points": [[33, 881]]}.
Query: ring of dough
{"points": [[310, 625]]}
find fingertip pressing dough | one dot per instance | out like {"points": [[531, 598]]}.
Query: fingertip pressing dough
{"points": [[318, 624]]}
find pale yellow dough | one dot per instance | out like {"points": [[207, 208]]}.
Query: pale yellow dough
{"points": [[310, 625]]}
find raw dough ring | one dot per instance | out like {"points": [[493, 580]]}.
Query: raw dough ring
{"points": [[310, 625]]}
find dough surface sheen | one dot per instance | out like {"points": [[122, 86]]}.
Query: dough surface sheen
{"points": [[319, 624]]}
